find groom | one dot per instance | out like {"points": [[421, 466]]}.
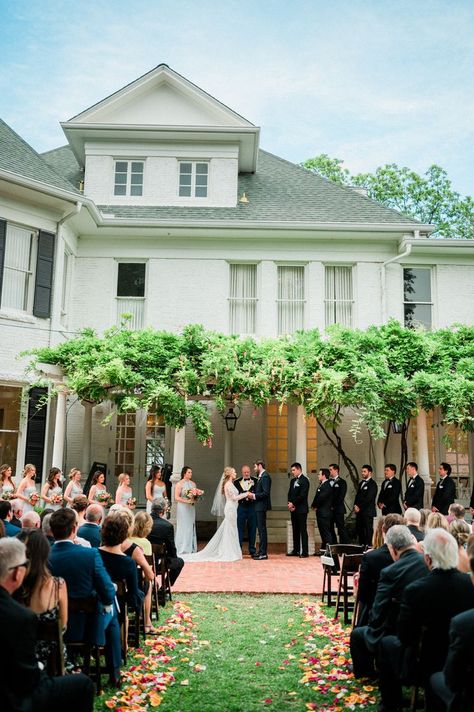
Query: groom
{"points": [[262, 505]]}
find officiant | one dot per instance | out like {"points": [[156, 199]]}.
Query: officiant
{"points": [[246, 512]]}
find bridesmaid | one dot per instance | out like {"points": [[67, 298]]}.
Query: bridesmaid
{"points": [[155, 488], [124, 494], [74, 487], [186, 542], [97, 488], [7, 484], [27, 489], [52, 490]]}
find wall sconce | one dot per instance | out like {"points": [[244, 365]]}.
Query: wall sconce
{"points": [[231, 418]]}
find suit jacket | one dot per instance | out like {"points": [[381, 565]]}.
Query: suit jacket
{"points": [[444, 495], [19, 671], [365, 498], [246, 503], [298, 493], [262, 492], [419, 535], [85, 575], [11, 529], [163, 533], [91, 533], [386, 606], [339, 491], [322, 501], [373, 562], [459, 666], [390, 491], [430, 604], [415, 492]]}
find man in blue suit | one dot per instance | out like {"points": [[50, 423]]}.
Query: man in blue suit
{"points": [[90, 531], [6, 514], [85, 576]]}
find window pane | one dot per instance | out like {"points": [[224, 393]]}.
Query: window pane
{"points": [[185, 168], [185, 191], [243, 303], [120, 179], [201, 180], [17, 266], [417, 284], [418, 315], [121, 167], [185, 179], [339, 295], [120, 190], [136, 190], [131, 280], [201, 192], [136, 179], [137, 167], [201, 168]]}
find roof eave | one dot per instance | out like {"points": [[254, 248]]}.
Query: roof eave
{"points": [[40, 186]]}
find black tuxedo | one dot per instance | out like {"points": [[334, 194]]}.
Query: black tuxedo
{"points": [[163, 533], [246, 512], [365, 499], [373, 562], [24, 687], [262, 504], [383, 616], [338, 514], [389, 496], [415, 492], [298, 496], [444, 495], [322, 503], [457, 678]]}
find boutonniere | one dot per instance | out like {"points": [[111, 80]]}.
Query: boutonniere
{"points": [[297, 484], [389, 486]]}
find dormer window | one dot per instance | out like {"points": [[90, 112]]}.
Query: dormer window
{"points": [[193, 179], [128, 178]]}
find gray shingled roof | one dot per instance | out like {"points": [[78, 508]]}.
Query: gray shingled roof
{"points": [[16, 156], [64, 162], [279, 191]]}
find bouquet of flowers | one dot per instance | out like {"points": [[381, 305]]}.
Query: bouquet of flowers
{"points": [[194, 494], [132, 502], [167, 505], [104, 498], [33, 498], [57, 499], [7, 496]]}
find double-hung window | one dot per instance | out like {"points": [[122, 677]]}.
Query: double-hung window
{"points": [[417, 300], [193, 179], [243, 299], [290, 299], [339, 298], [131, 293], [128, 178]]}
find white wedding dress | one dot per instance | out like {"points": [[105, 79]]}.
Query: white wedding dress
{"points": [[224, 545]]}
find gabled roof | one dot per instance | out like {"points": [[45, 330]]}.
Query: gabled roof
{"points": [[62, 160], [16, 156]]}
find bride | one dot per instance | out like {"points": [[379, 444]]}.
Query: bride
{"points": [[224, 545]]}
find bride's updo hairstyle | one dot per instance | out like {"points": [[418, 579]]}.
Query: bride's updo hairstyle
{"points": [[227, 475]]}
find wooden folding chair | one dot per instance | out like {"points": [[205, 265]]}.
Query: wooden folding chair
{"points": [[162, 570], [349, 566], [88, 607], [122, 616], [154, 591], [51, 631], [331, 566]]}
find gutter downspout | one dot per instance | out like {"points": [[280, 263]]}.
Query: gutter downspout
{"points": [[383, 275]]}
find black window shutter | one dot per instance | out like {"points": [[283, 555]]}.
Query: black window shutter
{"points": [[44, 275], [3, 238], [36, 430]]}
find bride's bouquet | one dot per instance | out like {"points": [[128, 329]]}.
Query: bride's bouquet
{"points": [[194, 494]]}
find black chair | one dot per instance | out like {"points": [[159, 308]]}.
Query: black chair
{"points": [[51, 631], [350, 565], [154, 590], [331, 567], [87, 607], [162, 570]]}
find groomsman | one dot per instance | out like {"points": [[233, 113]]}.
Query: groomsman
{"points": [[322, 504], [262, 505], [364, 506], [445, 492], [390, 491], [246, 510], [298, 506], [338, 514], [415, 491]]}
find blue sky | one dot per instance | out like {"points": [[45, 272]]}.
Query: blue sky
{"points": [[368, 81]]}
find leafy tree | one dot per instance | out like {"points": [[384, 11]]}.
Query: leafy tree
{"points": [[429, 198]]}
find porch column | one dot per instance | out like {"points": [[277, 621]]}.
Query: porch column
{"points": [[86, 437], [59, 429], [422, 456], [379, 465], [178, 464], [301, 437]]}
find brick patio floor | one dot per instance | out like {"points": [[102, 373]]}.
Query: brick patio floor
{"points": [[280, 574]]}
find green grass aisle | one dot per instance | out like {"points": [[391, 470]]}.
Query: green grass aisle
{"points": [[234, 653]]}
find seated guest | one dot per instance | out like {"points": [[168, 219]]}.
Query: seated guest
{"points": [[436, 521], [424, 514], [461, 531], [46, 528], [42, 593], [409, 566], [142, 526], [17, 509], [163, 533], [44, 513], [455, 511], [31, 520], [413, 518], [455, 684], [373, 562], [427, 607], [119, 566], [24, 688], [6, 515], [377, 537], [85, 576], [90, 530], [79, 505]]}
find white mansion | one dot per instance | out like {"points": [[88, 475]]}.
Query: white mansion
{"points": [[162, 204]]}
